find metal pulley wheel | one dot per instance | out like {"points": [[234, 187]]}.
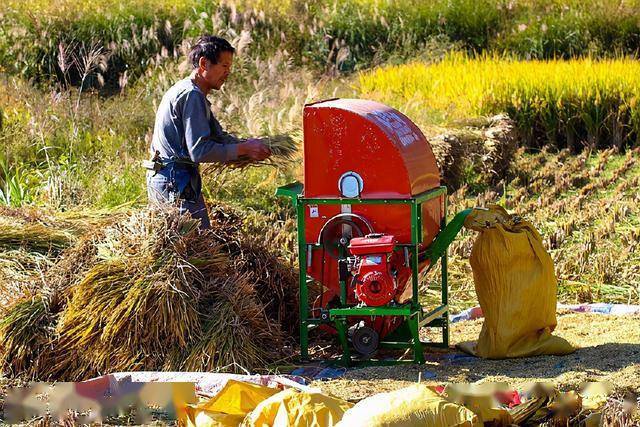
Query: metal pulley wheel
{"points": [[338, 231], [365, 340], [337, 236]]}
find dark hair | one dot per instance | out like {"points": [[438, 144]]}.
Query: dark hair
{"points": [[210, 48]]}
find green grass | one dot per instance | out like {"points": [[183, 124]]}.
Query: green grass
{"points": [[126, 186], [345, 35]]}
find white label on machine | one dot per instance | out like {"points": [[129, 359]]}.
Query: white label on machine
{"points": [[313, 211], [396, 125]]}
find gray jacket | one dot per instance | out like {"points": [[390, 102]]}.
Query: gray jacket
{"points": [[185, 128]]}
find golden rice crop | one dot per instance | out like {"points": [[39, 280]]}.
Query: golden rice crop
{"points": [[34, 237], [24, 335], [236, 332], [153, 292], [566, 103]]}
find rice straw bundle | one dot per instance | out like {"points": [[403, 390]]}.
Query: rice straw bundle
{"points": [[40, 287], [24, 334], [28, 248], [33, 237], [283, 147], [139, 300], [71, 266], [237, 335], [80, 327], [82, 222], [20, 275], [485, 146], [283, 151], [274, 279], [22, 214], [272, 282]]}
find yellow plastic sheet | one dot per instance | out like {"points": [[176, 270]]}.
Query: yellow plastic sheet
{"points": [[295, 408], [516, 287], [416, 405], [230, 406]]}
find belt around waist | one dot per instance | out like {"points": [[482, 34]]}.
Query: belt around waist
{"points": [[180, 165]]}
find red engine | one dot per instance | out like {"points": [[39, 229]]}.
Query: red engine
{"points": [[374, 278]]}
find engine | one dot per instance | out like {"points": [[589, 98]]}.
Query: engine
{"points": [[373, 274]]}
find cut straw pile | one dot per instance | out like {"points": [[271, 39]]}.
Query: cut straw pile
{"points": [[483, 148], [153, 292], [32, 240], [34, 237]]}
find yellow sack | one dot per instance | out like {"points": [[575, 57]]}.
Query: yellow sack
{"points": [[230, 406], [516, 287], [295, 408], [416, 405]]}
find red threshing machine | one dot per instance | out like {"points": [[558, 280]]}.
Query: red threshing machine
{"points": [[371, 216]]}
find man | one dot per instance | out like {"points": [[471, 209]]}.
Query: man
{"points": [[186, 133]]}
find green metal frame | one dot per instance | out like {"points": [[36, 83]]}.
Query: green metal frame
{"points": [[413, 312]]}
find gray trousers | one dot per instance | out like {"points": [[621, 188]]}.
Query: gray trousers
{"points": [[161, 190]]}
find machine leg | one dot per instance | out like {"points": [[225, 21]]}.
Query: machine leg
{"points": [[304, 316], [341, 326], [445, 301], [418, 351], [304, 303], [445, 277]]}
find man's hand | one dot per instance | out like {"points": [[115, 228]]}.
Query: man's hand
{"points": [[253, 149]]}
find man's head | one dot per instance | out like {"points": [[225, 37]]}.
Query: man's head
{"points": [[212, 58]]}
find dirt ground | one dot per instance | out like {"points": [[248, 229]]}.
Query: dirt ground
{"points": [[608, 350]]}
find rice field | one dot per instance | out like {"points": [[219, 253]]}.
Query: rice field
{"points": [[583, 206], [337, 36], [573, 103]]}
